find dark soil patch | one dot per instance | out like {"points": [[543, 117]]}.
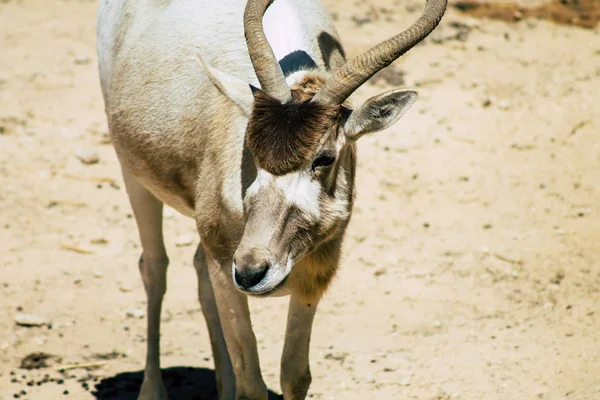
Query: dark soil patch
{"points": [[581, 13], [36, 360]]}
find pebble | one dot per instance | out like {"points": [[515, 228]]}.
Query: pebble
{"points": [[518, 15], [40, 340], [87, 157], [29, 320], [123, 287], [504, 105], [105, 139], [185, 240], [135, 313], [82, 60]]}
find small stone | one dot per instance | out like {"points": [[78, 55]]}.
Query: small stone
{"points": [[125, 288], [185, 240], [404, 381], [87, 157], [105, 139], [40, 340], [82, 60], [341, 357], [518, 15], [30, 320], [135, 313], [99, 241], [504, 105]]}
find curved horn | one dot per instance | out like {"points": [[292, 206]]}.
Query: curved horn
{"points": [[357, 71], [265, 64]]}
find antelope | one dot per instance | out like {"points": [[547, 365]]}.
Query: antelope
{"points": [[239, 118]]}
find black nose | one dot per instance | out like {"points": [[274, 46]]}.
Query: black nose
{"points": [[249, 277]]}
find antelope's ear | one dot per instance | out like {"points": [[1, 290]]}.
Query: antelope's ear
{"points": [[233, 88], [379, 112]]}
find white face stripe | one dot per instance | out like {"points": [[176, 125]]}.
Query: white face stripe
{"points": [[301, 191], [298, 188]]}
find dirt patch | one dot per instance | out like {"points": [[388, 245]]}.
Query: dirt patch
{"points": [[581, 13], [10, 125], [36, 360]]}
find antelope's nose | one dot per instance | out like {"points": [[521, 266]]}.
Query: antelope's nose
{"points": [[250, 269]]}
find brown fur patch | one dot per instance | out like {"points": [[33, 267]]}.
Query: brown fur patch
{"points": [[307, 88], [282, 137], [312, 275]]}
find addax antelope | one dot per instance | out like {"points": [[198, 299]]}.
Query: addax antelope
{"points": [[240, 120]]}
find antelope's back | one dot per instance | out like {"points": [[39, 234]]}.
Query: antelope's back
{"points": [[152, 44]]}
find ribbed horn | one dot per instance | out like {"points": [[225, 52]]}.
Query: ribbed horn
{"points": [[357, 71], [268, 70]]}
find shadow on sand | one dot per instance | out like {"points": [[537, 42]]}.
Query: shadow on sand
{"points": [[183, 383]]}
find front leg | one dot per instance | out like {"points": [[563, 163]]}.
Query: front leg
{"points": [[223, 368], [237, 329], [295, 371], [153, 268]]}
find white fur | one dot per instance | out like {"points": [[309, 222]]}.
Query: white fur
{"points": [[302, 191], [340, 207], [297, 77], [298, 188], [283, 17], [289, 25]]}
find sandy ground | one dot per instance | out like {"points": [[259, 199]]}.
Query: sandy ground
{"points": [[471, 267]]}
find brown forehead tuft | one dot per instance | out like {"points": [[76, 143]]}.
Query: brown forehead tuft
{"points": [[282, 137], [307, 87]]}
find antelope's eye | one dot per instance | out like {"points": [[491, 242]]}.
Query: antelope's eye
{"points": [[323, 160]]}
